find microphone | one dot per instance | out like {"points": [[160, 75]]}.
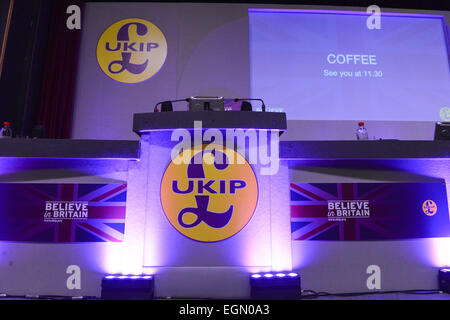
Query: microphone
{"points": [[167, 104], [263, 106]]}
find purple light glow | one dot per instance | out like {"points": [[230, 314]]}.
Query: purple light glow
{"points": [[438, 248], [271, 275], [129, 276], [363, 13]]}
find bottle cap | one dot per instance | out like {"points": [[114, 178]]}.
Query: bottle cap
{"points": [[6, 123], [360, 123]]}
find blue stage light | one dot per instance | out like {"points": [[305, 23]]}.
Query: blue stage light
{"points": [[281, 285], [444, 280], [127, 287]]}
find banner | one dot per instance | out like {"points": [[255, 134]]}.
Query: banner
{"points": [[62, 212], [368, 211]]}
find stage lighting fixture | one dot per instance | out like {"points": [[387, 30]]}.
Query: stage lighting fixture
{"points": [[444, 280], [127, 287], [275, 286], [246, 106]]}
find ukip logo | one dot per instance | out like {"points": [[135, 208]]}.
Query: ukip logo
{"points": [[209, 199], [429, 207], [131, 50]]}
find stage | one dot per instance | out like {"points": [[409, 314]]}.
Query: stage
{"points": [[214, 151]]}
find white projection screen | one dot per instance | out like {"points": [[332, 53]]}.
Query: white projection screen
{"points": [[329, 65]]}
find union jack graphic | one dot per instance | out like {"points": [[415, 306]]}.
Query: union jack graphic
{"points": [[309, 212], [26, 207]]}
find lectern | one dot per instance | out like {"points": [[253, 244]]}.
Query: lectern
{"points": [[202, 212]]}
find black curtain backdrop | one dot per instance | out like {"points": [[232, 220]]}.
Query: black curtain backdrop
{"points": [[5, 6], [60, 69], [21, 78]]}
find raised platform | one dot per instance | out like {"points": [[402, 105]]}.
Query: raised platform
{"points": [[157, 121], [69, 149], [289, 150], [355, 150], [146, 245]]}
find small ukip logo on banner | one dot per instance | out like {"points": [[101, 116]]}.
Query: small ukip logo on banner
{"points": [[429, 207], [209, 199]]}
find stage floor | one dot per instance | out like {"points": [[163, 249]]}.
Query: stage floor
{"points": [[391, 296], [375, 296]]}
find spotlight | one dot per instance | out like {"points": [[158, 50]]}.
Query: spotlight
{"points": [[444, 280], [127, 287], [275, 286]]}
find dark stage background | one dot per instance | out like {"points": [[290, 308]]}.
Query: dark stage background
{"points": [[31, 95]]}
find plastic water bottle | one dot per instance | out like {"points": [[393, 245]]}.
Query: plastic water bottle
{"points": [[6, 131], [361, 133]]}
